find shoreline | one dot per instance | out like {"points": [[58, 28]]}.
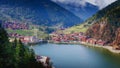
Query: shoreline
{"points": [[109, 48]]}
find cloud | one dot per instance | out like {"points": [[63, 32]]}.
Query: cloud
{"points": [[78, 3], [103, 3]]}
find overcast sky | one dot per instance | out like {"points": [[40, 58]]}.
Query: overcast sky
{"points": [[100, 3]]}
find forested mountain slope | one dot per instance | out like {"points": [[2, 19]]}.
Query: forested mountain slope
{"points": [[40, 12]]}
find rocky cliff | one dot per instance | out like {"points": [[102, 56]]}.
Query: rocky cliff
{"points": [[102, 30], [106, 24]]}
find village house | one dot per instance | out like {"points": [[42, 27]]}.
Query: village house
{"points": [[91, 41], [24, 39], [100, 42], [44, 60], [78, 37], [15, 26]]}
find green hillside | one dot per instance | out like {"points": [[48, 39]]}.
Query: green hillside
{"points": [[104, 25], [40, 34], [78, 28], [111, 12]]}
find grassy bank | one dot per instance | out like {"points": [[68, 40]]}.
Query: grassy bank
{"points": [[40, 34]]}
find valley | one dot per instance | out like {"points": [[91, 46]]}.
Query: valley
{"points": [[59, 34]]}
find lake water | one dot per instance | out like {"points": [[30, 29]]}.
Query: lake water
{"points": [[78, 56]]}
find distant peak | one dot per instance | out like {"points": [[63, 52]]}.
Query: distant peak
{"points": [[82, 3]]}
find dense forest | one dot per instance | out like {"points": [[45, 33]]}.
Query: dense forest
{"points": [[16, 55]]}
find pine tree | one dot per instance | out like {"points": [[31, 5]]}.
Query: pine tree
{"points": [[24, 55], [16, 55], [5, 49]]}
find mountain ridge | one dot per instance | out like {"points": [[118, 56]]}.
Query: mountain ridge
{"points": [[41, 12], [83, 12]]}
